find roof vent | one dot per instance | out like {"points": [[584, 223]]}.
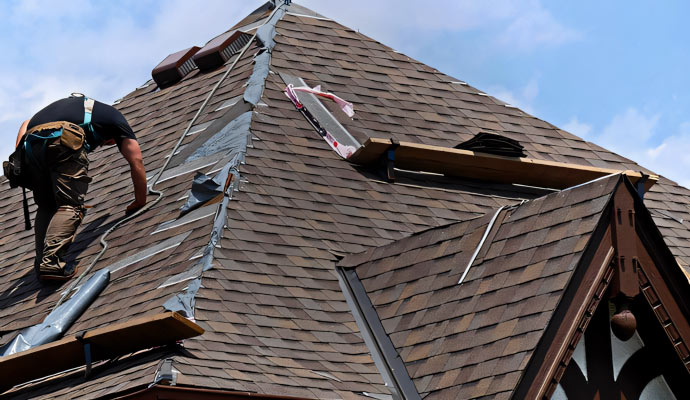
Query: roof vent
{"points": [[491, 143], [220, 49], [174, 67]]}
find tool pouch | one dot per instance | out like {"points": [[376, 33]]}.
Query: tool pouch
{"points": [[72, 136], [16, 170]]}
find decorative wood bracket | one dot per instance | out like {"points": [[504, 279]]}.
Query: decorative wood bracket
{"points": [[625, 243]]}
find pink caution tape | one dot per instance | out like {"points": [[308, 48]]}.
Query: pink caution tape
{"points": [[346, 106], [344, 151]]}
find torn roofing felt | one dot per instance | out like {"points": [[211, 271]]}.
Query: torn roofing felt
{"points": [[60, 319], [265, 34], [232, 140], [491, 323], [276, 320], [205, 188]]}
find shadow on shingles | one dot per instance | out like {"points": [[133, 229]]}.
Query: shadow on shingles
{"points": [[27, 286], [436, 181], [89, 236]]}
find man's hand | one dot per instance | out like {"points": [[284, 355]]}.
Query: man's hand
{"points": [[132, 153]]}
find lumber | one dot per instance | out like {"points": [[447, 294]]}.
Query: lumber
{"points": [[489, 167], [105, 342]]}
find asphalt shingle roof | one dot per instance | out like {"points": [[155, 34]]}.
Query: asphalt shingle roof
{"points": [[276, 320], [474, 339]]}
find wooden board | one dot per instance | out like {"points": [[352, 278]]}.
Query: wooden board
{"points": [[469, 164], [106, 343]]}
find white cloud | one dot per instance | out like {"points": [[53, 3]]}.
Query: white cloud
{"points": [[627, 131], [55, 48], [513, 24], [578, 128], [671, 158], [632, 133], [534, 27], [522, 98]]}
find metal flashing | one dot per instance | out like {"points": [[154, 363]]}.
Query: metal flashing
{"points": [[254, 25], [205, 188], [150, 252], [183, 303], [382, 351], [206, 261], [216, 129], [298, 10], [229, 103], [265, 35], [228, 140], [326, 375], [199, 128], [378, 396], [257, 81], [60, 319], [481, 244], [321, 113], [308, 16], [192, 216], [166, 373], [189, 167]]}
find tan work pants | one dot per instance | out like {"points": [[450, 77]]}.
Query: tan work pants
{"points": [[60, 185]]}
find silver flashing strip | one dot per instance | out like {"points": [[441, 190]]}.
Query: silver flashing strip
{"points": [[176, 281], [229, 103], [592, 181], [378, 396], [481, 244], [60, 319], [199, 128], [326, 375], [193, 216], [321, 113], [308, 16], [189, 167], [150, 252], [385, 356], [146, 84], [252, 26]]}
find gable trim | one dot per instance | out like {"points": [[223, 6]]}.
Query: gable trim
{"points": [[661, 291], [386, 357], [584, 286], [664, 306]]}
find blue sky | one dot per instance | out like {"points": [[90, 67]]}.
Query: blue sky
{"points": [[614, 72]]}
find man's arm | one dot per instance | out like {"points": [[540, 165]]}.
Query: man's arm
{"points": [[132, 153], [22, 131]]}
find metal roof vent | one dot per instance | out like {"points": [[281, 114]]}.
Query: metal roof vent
{"points": [[492, 143], [174, 67], [220, 49]]}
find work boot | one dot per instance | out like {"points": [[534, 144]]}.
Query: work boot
{"points": [[58, 275]]}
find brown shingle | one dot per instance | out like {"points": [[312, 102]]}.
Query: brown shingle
{"points": [[273, 294]]}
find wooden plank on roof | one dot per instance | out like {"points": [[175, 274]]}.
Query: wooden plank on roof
{"points": [[488, 167], [106, 343]]}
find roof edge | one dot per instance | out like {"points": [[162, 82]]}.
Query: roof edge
{"points": [[158, 391]]}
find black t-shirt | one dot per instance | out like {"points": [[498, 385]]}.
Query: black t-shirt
{"points": [[105, 120]]}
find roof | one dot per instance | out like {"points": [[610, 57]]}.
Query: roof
{"points": [[474, 339], [269, 298]]}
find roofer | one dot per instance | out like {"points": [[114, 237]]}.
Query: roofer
{"points": [[56, 141]]}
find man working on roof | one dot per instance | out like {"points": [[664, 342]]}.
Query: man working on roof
{"points": [[55, 142]]}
